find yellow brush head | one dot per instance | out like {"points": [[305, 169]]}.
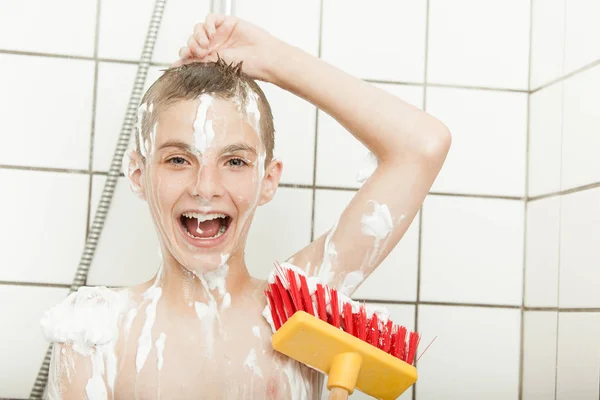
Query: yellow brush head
{"points": [[347, 360]]}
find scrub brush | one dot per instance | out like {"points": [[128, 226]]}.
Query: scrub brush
{"points": [[355, 350]]}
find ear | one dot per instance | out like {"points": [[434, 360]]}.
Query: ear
{"points": [[135, 174], [271, 181]]}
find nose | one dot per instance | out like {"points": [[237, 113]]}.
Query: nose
{"points": [[208, 183]]}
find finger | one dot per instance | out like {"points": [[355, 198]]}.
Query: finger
{"points": [[194, 47], [185, 52], [201, 36], [212, 22]]}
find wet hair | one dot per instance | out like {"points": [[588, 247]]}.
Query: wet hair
{"points": [[190, 81]]}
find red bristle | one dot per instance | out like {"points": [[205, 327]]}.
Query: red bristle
{"points": [[374, 331], [294, 292], [279, 307], [306, 299], [401, 344], [361, 324], [274, 310], [413, 343], [369, 334], [284, 303], [386, 342], [285, 297], [348, 323], [335, 308], [281, 272], [321, 303], [394, 340]]}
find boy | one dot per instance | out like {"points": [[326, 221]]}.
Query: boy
{"points": [[203, 162]]}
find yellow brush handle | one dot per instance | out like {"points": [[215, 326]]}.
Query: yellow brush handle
{"points": [[343, 373], [338, 394]]}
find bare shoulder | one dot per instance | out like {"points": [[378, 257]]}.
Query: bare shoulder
{"points": [[84, 328], [87, 317]]}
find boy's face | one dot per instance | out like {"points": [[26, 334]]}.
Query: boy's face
{"points": [[203, 178]]}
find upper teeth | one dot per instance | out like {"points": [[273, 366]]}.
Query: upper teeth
{"points": [[203, 217]]}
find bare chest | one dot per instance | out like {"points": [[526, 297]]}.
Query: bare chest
{"points": [[225, 359]]}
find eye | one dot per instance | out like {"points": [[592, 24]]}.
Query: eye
{"points": [[236, 162], [177, 161]]}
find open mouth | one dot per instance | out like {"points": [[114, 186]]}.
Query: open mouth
{"points": [[204, 226]]}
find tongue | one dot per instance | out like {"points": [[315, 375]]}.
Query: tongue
{"points": [[208, 228]]}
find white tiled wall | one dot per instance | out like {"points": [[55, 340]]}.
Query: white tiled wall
{"points": [[581, 123], [47, 111], [578, 356], [542, 252], [475, 355], [561, 358], [470, 261], [21, 344], [482, 264], [382, 40], [479, 43], [539, 358], [547, 41], [489, 133]]}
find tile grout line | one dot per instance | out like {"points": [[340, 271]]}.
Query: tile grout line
{"points": [[560, 199], [76, 57], [521, 365], [419, 240], [577, 189], [563, 78], [316, 137], [43, 169], [93, 127], [440, 303], [36, 284]]}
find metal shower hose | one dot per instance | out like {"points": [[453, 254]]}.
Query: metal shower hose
{"points": [[113, 174]]}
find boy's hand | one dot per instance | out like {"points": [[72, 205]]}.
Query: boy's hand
{"points": [[233, 40]]}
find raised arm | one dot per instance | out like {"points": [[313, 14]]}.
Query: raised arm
{"points": [[409, 144]]}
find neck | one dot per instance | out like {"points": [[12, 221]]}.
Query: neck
{"points": [[182, 287]]}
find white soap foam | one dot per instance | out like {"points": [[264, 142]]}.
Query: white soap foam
{"points": [[351, 281], [226, 302], [379, 223], [145, 340], [251, 363], [329, 255], [216, 279], [160, 350], [86, 318], [256, 331], [369, 167], [95, 389], [201, 309], [203, 132]]}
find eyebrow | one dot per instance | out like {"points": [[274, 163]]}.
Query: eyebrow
{"points": [[176, 143], [237, 147], [232, 148]]}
